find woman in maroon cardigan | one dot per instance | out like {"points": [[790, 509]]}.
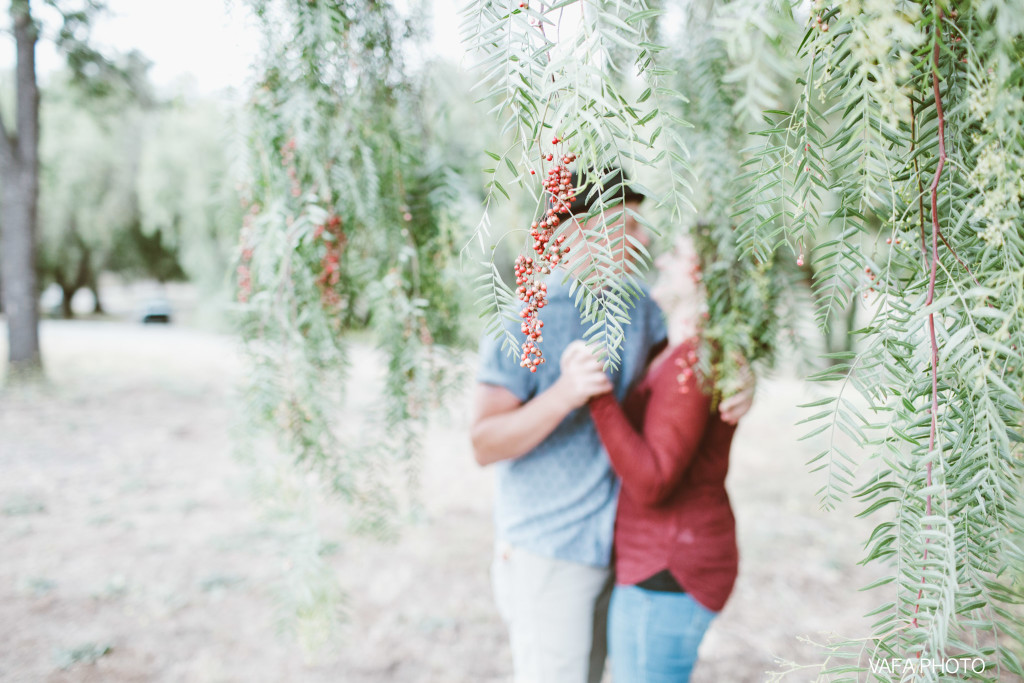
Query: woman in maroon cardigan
{"points": [[675, 536]]}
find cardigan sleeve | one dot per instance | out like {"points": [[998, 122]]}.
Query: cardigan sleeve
{"points": [[652, 463]]}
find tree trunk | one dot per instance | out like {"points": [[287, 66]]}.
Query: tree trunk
{"points": [[83, 274], [97, 308], [19, 176], [90, 275], [18, 219], [68, 292]]}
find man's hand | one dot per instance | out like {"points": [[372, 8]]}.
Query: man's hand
{"points": [[581, 375], [505, 428]]}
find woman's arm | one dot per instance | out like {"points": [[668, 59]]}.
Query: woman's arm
{"points": [[653, 462]]}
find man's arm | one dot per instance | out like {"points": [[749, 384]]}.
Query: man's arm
{"points": [[505, 428]]}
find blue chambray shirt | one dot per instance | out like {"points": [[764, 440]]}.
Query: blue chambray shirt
{"points": [[558, 500]]}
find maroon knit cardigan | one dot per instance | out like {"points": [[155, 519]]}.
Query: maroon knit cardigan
{"points": [[672, 455]]}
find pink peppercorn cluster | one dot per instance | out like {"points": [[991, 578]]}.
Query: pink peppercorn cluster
{"points": [[330, 274], [534, 294], [243, 271], [550, 251], [873, 280], [244, 277]]}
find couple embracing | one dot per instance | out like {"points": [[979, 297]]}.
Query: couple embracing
{"points": [[584, 570]]}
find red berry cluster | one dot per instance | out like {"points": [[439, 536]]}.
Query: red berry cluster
{"points": [[244, 277], [873, 280], [330, 275], [534, 294], [559, 183], [550, 252], [243, 270]]}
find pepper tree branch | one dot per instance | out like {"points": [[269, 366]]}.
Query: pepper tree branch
{"points": [[935, 247], [955, 255], [932, 276], [920, 200], [917, 173]]}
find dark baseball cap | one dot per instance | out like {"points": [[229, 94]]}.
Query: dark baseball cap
{"points": [[587, 197]]}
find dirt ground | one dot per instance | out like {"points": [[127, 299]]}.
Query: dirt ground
{"points": [[132, 549]]}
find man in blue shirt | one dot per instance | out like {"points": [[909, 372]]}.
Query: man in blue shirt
{"points": [[556, 492]]}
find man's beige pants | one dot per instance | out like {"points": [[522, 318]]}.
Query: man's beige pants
{"points": [[556, 612]]}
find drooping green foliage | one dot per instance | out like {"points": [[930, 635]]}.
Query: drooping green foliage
{"points": [[598, 78], [732, 65], [895, 177], [345, 231], [899, 171], [587, 81]]}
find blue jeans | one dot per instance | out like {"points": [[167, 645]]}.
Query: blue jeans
{"points": [[653, 636]]}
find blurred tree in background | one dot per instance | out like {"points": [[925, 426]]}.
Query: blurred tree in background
{"points": [[20, 162], [189, 206], [89, 152], [127, 183], [134, 185]]}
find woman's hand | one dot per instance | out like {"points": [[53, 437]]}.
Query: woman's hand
{"points": [[582, 376], [734, 407]]}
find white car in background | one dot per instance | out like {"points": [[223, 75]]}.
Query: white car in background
{"points": [[156, 310]]}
